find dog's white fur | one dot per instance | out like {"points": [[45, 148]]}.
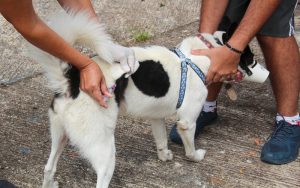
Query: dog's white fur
{"points": [[91, 127]]}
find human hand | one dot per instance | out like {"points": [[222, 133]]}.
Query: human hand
{"points": [[224, 63], [93, 83], [126, 58]]}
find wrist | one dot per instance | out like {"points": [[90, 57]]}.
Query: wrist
{"points": [[230, 55], [238, 42], [233, 49], [80, 65]]}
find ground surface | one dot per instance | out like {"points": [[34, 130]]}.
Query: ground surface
{"points": [[233, 143]]}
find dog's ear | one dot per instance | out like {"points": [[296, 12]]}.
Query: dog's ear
{"points": [[230, 31], [247, 58], [225, 24], [229, 27]]}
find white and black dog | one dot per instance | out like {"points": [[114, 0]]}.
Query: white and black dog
{"points": [[152, 92]]}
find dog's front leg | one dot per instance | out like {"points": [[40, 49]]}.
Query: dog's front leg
{"points": [[160, 137], [187, 132]]}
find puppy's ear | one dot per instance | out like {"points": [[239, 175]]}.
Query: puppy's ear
{"points": [[229, 27], [225, 24], [247, 57]]}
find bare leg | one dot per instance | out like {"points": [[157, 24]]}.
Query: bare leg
{"points": [[283, 61], [59, 140], [160, 137], [213, 91]]}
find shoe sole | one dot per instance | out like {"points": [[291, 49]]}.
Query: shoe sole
{"points": [[281, 162]]}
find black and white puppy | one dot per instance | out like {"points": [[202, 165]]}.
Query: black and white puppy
{"points": [[152, 92]]}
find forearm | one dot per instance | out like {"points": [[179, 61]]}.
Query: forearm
{"points": [[211, 14], [78, 5], [21, 14], [256, 15], [43, 37]]}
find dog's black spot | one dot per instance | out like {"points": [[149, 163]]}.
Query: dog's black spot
{"points": [[73, 76], [151, 79], [121, 85]]}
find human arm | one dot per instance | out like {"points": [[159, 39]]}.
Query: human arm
{"points": [[22, 16], [211, 15], [78, 5], [225, 61], [121, 54]]}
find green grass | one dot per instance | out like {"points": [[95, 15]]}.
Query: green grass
{"points": [[141, 36]]}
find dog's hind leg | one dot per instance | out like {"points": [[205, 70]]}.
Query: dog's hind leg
{"points": [[100, 152], [59, 140], [160, 137], [110, 171]]}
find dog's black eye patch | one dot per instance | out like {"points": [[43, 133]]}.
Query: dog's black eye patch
{"points": [[151, 79], [73, 77]]}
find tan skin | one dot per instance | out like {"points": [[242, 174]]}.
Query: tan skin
{"points": [[23, 17], [281, 54]]}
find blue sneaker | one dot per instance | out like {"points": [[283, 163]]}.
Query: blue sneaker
{"points": [[204, 119], [6, 184], [283, 145]]}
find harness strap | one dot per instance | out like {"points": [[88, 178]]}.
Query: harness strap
{"points": [[184, 69]]}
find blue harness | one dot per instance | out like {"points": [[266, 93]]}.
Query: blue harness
{"points": [[184, 63]]}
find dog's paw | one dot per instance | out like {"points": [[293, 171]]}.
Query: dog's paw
{"points": [[50, 184], [198, 155], [55, 184], [165, 155]]}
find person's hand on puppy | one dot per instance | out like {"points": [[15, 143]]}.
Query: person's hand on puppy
{"points": [[126, 58], [93, 83], [224, 63]]}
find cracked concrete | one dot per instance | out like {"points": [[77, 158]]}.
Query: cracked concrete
{"points": [[233, 152]]}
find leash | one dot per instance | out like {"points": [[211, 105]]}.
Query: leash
{"points": [[184, 63]]}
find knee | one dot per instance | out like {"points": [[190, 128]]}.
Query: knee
{"points": [[182, 125]]}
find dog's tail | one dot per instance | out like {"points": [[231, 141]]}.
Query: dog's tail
{"points": [[73, 27]]}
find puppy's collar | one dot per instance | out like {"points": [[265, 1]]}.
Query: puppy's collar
{"points": [[206, 42], [184, 63]]}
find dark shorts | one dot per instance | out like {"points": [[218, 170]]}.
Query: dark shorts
{"points": [[280, 24]]}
